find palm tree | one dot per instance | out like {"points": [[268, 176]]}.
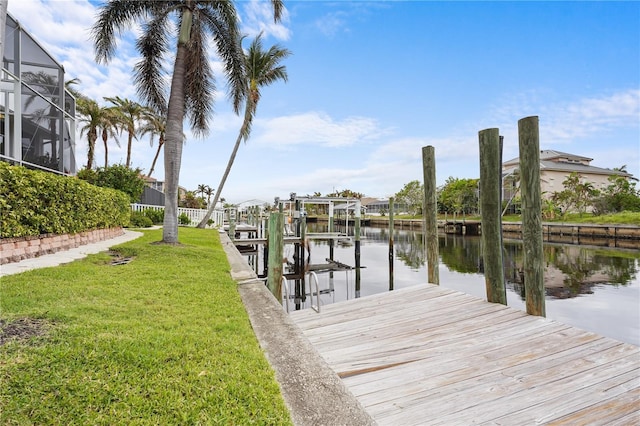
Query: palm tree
{"points": [[155, 124], [109, 126], [262, 68], [91, 115], [128, 114], [201, 189], [208, 192], [192, 81]]}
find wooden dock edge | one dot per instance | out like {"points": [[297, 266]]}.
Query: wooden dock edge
{"points": [[313, 392]]}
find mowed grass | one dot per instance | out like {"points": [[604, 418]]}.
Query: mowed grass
{"points": [[164, 339]]}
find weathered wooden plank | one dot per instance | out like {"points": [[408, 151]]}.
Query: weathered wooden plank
{"points": [[425, 355], [490, 396], [412, 321], [600, 413], [366, 307], [420, 336], [548, 410], [446, 349], [457, 374], [453, 370], [631, 419]]}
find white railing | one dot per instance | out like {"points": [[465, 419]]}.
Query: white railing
{"points": [[194, 215]]}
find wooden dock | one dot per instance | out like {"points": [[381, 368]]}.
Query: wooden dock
{"points": [[427, 355]]}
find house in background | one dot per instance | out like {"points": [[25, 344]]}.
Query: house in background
{"points": [[153, 194], [555, 167], [380, 207], [37, 113]]}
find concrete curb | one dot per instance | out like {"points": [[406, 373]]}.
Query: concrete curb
{"points": [[313, 392]]}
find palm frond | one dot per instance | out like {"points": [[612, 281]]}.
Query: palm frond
{"points": [[148, 73], [222, 22], [113, 19], [199, 79]]}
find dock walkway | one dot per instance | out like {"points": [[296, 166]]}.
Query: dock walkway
{"points": [[427, 355]]}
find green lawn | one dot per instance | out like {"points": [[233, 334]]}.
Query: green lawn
{"points": [[624, 218], [163, 339]]}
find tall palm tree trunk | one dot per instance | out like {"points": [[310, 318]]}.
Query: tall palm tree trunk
{"points": [[173, 143], [155, 159], [106, 150], [93, 137], [129, 148]]}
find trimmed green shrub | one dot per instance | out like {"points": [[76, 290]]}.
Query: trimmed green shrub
{"points": [[183, 219], [139, 220], [118, 177], [34, 203], [156, 216]]}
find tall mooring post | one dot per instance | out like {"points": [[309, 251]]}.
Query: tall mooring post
{"points": [[232, 222], [331, 230], [391, 201], [529, 144], [276, 243], [430, 213], [491, 208], [356, 233]]}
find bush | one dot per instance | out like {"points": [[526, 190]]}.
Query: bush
{"points": [[34, 202], [156, 216], [117, 177], [183, 219], [139, 220]]}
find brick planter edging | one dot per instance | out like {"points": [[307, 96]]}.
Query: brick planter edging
{"points": [[17, 249]]}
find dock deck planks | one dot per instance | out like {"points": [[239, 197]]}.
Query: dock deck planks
{"points": [[427, 355]]}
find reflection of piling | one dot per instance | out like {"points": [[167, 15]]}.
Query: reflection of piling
{"points": [[391, 201], [490, 206], [430, 213], [529, 144], [275, 242]]}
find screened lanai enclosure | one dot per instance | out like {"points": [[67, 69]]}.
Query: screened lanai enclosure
{"points": [[37, 113]]}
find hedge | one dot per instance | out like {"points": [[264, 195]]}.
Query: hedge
{"points": [[34, 203]]}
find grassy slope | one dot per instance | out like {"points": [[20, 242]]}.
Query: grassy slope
{"points": [[164, 339]]}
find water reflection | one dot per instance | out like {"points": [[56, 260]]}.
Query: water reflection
{"points": [[592, 288], [569, 270]]}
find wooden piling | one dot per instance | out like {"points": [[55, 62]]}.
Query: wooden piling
{"points": [[391, 201], [529, 144], [491, 209], [275, 242], [356, 232], [430, 213], [331, 230], [232, 223], [298, 257]]}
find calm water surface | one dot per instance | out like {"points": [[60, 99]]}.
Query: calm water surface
{"points": [[596, 289]]}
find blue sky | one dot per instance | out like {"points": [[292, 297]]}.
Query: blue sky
{"points": [[370, 83]]}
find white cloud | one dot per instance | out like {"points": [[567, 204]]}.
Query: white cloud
{"points": [[594, 115], [258, 17], [332, 23], [566, 121], [316, 128]]}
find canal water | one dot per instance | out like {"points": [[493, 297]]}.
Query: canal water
{"points": [[592, 288]]}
